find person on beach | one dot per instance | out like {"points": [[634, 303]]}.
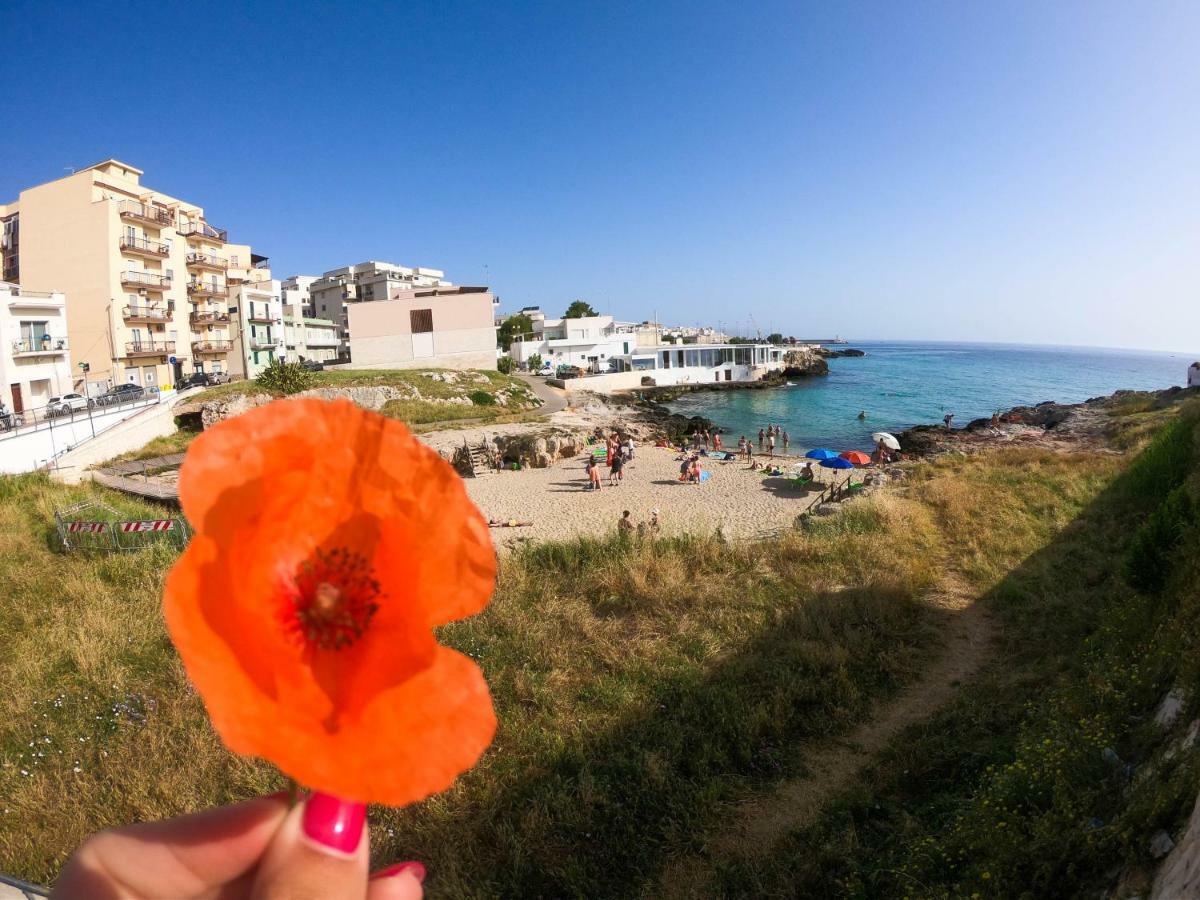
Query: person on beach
{"points": [[593, 473], [761, 437], [625, 524], [694, 475], [786, 440], [749, 451], [771, 444], [685, 468], [742, 445], [629, 447], [948, 419], [616, 471], [807, 472], [716, 441]]}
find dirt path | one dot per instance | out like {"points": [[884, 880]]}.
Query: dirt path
{"points": [[762, 821]]}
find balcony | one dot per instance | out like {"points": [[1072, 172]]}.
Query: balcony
{"points": [[149, 348], [143, 247], [212, 346], [146, 314], [209, 318], [132, 211], [47, 345], [261, 318], [207, 261], [151, 281], [198, 290], [194, 229], [263, 343]]}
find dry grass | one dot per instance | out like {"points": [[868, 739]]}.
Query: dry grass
{"points": [[639, 687]]}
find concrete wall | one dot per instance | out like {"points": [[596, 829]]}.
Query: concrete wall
{"points": [[463, 337], [29, 449]]}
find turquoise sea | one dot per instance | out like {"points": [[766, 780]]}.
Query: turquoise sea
{"points": [[905, 384]]}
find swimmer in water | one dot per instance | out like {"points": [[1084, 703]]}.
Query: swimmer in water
{"points": [[862, 413]]}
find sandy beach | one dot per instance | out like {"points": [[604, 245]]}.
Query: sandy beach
{"points": [[741, 502]]}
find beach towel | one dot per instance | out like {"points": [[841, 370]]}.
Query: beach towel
{"points": [[704, 476]]}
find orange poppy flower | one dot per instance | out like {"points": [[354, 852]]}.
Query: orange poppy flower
{"points": [[329, 542]]}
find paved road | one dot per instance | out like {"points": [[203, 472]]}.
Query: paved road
{"points": [[553, 399]]}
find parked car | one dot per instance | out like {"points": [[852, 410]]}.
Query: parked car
{"points": [[67, 404], [313, 365], [547, 369], [122, 393]]}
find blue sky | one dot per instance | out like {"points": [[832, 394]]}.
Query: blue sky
{"points": [[957, 171]]}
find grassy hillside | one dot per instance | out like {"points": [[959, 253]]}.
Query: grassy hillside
{"points": [[644, 690]]}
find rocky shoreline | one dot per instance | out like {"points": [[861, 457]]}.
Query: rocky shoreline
{"points": [[1047, 423]]}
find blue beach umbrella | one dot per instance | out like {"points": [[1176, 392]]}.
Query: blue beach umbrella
{"points": [[822, 453], [837, 462]]}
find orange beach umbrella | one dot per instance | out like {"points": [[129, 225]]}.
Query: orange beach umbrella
{"points": [[857, 457]]}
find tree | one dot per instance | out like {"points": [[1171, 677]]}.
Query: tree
{"points": [[774, 338], [512, 328], [579, 309], [534, 361]]}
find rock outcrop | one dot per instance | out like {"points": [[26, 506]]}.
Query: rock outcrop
{"points": [[802, 363]]}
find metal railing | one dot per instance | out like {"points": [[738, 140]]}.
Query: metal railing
{"points": [[49, 344], [149, 348], [193, 228], [51, 416], [146, 279], [211, 288], [208, 318], [207, 259], [158, 248], [218, 346], [258, 343], [153, 214], [153, 313]]}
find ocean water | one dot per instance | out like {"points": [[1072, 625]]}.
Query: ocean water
{"points": [[899, 385]]}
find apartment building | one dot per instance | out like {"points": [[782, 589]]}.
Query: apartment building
{"points": [[296, 295], [146, 276], [35, 360], [364, 283], [441, 327], [307, 338], [256, 311]]}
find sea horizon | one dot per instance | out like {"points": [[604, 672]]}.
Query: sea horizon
{"points": [[901, 384]]}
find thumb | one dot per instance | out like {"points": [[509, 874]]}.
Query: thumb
{"points": [[320, 850]]}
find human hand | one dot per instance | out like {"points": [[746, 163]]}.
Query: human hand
{"points": [[257, 850]]}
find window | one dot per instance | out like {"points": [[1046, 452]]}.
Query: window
{"points": [[421, 321]]}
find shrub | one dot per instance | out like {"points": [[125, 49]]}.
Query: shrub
{"points": [[1151, 555], [506, 365], [285, 378], [535, 362], [482, 398]]}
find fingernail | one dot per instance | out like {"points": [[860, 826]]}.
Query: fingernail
{"points": [[334, 823], [416, 868]]}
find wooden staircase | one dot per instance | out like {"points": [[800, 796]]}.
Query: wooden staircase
{"points": [[480, 463]]}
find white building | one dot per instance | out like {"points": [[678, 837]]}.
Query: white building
{"points": [[295, 292], [592, 343], [257, 313], [308, 338], [1194, 375], [694, 364], [35, 362]]}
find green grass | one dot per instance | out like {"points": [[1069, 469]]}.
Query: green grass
{"points": [[644, 689], [178, 442], [1008, 792]]}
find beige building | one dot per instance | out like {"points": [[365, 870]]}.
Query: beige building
{"points": [[147, 277], [333, 292], [451, 328]]}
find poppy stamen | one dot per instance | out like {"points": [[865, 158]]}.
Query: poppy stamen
{"points": [[334, 599]]}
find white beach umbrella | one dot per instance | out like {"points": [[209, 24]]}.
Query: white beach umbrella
{"points": [[888, 440]]}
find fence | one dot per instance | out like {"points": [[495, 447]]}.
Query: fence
{"points": [[97, 527], [62, 414]]}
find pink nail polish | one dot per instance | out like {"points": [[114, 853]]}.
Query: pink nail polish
{"points": [[416, 868], [334, 823]]}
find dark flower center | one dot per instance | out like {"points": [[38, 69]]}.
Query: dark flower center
{"points": [[335, 599]]}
